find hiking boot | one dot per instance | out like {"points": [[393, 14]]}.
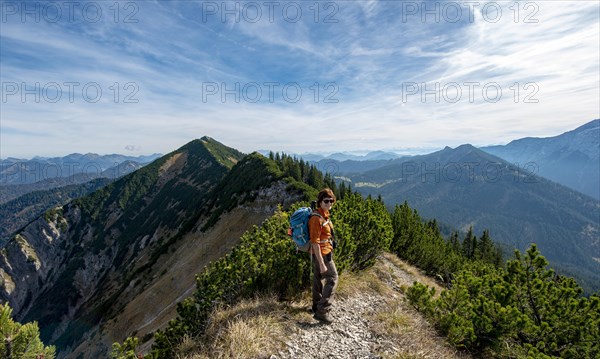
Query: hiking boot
{"points": [[323, 317]]}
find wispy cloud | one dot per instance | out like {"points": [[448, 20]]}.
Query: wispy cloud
{"points": [[364, 54]]}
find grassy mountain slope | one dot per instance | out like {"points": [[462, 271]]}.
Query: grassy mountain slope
{"points": [[468, 187]]}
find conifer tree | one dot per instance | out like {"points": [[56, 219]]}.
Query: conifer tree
{"points": [[364, 228], [469, 244], [295, 171], [557, 319], [342, 189], [315, 178], [127, 350], [303, 171], [407, 229], [454, 242], [21, 340], [486, 251], [524, 311], [432, 224]]}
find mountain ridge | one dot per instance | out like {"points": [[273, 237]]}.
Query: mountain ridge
{"points": [[147, 198]]}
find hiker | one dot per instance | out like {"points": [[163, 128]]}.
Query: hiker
{"points": [[322, 245]]}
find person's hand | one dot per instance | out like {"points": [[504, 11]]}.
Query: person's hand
{"points": [[323, 269]]}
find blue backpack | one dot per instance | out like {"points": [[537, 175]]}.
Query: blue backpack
{"points": [[299, 227]]}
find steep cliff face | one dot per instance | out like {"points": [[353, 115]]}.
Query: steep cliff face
{"points": [[26, 262]]}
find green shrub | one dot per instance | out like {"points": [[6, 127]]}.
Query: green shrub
{"points": [[525, 307], [21, 340]]}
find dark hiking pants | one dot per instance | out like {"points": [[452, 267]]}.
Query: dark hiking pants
{"points": [[322, 295]]}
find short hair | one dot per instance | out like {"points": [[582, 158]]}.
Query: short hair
{"points": [[325, 193]]}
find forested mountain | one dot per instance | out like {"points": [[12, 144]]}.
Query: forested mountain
{"points": [[571, 159], [467, 187], [16, 213]]}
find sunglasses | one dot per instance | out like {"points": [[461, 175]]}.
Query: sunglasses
{"points": [[328, 200]]}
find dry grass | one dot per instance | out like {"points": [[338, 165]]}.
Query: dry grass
{"points": [[251, 329], [411, 335], [355, 283], [392, 321], [247, 338], [397, 322]]}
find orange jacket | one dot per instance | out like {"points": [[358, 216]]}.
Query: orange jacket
{"points": [[320, 234]]}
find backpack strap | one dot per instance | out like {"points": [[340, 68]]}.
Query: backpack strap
{"points": [[316, 213]]}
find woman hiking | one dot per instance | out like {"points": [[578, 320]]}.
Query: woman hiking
{"points": [[321, 238]]}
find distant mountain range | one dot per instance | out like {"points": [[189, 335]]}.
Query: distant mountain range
{"points": [[467, 187], [571, 159], [9, 192], [343, 156], [30, 187], [20, 171]]}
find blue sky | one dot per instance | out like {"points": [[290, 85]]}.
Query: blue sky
{"points": [[162, 68]]}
